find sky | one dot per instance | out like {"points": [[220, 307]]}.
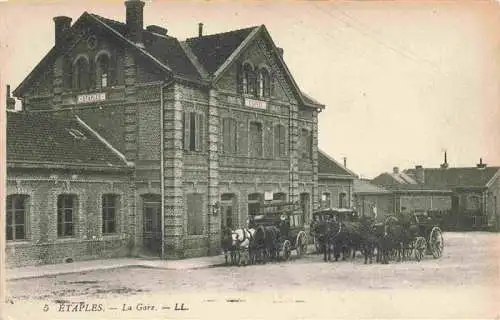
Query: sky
{"points": [[402, 81]]}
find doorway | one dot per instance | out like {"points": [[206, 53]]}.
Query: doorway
{"points": [[152, 240]]}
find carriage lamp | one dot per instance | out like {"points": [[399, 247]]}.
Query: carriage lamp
{"points": [[215, 209]]}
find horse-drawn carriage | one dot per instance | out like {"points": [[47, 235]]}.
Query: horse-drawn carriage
{"points": [[329, 214], [273, 233], [420, 235], [399, 237], [288, 221]]}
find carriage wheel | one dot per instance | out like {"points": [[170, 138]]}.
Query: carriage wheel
{"points": [[286, 249], [420, 246], [436, 242], [301, 244]]}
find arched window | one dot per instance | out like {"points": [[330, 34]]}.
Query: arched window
{"points": [[81, 79], [103, 71], [264, 82], [248, 79]]}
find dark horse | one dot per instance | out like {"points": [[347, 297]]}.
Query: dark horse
{"points": [[265, 244], [227, 245]]}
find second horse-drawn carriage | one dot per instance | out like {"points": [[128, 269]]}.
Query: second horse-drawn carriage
{"points": [[399, 237]]}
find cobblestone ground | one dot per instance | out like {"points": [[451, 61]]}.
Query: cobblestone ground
{"points": [[463, 283]]}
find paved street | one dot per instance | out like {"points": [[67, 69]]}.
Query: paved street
{"points": [[463, 283]]}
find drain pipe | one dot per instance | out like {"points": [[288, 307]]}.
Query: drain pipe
{"points": [[163, 85]]}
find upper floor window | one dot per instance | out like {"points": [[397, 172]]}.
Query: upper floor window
{"points": [[66, 214], [81, 74], [16, 216], [193, 131], [342, 200], [255, 139], [306, 144], [102, 71], [248, 79], [109, 210], [279, 141], [264, 82], [229, 135]]}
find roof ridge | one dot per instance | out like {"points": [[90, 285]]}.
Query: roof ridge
{"points": [[222, 33]]}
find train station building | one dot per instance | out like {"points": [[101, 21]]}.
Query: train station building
{"points": [[132, 142]]}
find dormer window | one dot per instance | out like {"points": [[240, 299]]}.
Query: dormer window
{"points": [[81, 79], [264, 82], [103, 71]]}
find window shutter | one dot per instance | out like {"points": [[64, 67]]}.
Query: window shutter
{"points": [[186, 130], [235, 136], [283, 141], [225, 135], [199, 132]]}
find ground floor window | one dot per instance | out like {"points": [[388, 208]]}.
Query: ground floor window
{"points": [[66, 210], [195, 214], [109, 211], [16, 216], [326, 200]]}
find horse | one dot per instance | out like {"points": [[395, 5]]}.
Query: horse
{"points": [[227, 245], [265, 243], [241, 242]]}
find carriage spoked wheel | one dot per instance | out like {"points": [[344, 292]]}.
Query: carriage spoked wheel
{"points": [[286, 250], [420, 245], [436, 242], [301, 244]]}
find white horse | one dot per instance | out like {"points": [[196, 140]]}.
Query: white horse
{"points": [[242, 239]]}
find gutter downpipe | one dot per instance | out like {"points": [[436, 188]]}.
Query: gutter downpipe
{"points": [[163, 85]]}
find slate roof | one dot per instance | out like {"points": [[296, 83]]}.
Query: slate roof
{"points": [[213, 50], [363, 186], [44, 138], [165, 48], [327, 165], [438, 179], [457, 177], [168, 53]]}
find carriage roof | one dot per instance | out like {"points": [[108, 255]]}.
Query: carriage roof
{"points": [[339, 212], [273, 213]]}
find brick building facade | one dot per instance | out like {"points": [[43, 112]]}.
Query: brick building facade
{"points": [[209, 128]]}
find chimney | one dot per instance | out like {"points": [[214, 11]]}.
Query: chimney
{"points": [[11, 102], [200, 29], [419, 174], [345, 162], [395, 170], [157, 29], [280, 50], [135, 20], [444, 165], [481, 165], [61, 24]]}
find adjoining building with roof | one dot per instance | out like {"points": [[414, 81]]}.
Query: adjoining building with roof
{"points": [[465, 198], [372, 200], [335, 182], [131, 140]]}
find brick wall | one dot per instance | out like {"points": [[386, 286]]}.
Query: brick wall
{"points": [[42, 244]]}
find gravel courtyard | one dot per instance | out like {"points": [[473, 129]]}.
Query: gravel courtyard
{"points": [[463, 283]]}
